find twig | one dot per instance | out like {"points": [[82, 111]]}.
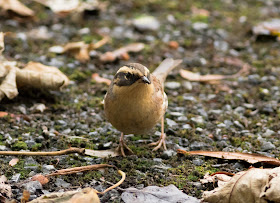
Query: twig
{"points": [[71, 150], [117, 184], [79, 169]]}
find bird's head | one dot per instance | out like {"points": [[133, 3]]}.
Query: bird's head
{"points": [[130, 74]]}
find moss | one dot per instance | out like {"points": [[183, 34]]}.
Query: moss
{"points": [[36, 147], [19, 145]]}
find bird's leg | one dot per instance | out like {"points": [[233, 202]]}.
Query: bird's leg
{"points": [[161, 141], [122, 146]]}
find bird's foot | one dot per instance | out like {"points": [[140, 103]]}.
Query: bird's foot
{"points": [[123, 147], [159, 143]]}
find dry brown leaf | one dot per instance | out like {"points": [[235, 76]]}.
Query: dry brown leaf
{"points": [[4, 188], [41, 178], [87, 195], [2, 46], [38, 75], [173, 44], [96, 77], [121, 52], [254, 185], [25, 196], [16, 6], [13, 162], [8, 87], [80, 50], [3, 114], [65, 7], [250, 158], [221, 179]]}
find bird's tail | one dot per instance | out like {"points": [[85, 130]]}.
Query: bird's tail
{"points": [[165, 68]]}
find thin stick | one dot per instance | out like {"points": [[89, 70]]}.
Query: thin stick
{"points": [[79, 169], [117, 184], [71, 150]]}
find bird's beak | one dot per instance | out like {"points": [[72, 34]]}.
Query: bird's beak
{"points": [[145, 80]]}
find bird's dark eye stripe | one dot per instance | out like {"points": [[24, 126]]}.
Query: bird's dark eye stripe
{"points": [[125, 79]]}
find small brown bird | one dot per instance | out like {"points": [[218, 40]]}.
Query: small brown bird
{"points": [[135, 101]]}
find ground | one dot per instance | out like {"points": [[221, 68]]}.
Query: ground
{"points": [[200, 116]]}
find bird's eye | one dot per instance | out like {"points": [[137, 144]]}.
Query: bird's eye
{"points": [[128, 76]]}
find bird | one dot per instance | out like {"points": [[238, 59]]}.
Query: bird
{"points": [[135, 101]]}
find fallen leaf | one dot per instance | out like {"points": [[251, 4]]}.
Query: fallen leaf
{"points": [[250, 158], [16, 6], [80, 50], [38, 108], [155, 194], [86, 195], [8, 87], [221, 179], [13, 162], [4, 188], [101, 153], [25, 196], [173, 44], [98, 79], [254, 185], [41, 178], [64, 7], [2, 46], [112, 56], [3, 114], [38, 75]]}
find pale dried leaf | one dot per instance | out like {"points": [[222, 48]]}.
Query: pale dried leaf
{"points": [[16, 6], [4, 188], [87, 195], [41, 178], [112, 56], [101, 153], [250, 158], [254, 185], [13, 162], [96, 77], [68, 6], [155, 194], [2, 46], [38, 75], [8, 87], [38, 108], [220, 178], [271, 27], [201, 78]]}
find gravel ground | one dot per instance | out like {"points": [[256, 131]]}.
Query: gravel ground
{"points": [[243, 117]]}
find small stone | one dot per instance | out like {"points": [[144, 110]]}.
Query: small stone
{"points": [[198, 119], [61, 183], [264, 91], [3, 148], [182, 118], [216, 111], [221, 45], [187, 85], [240, 110], [38, 108], [186, 126], [199, 26], [228, 123], [146, 23], [172, 85], [268, 133], [254, 79], [48, 168], [238, 166], [267, 146], [32, 186], [189, 98], [221, 125], [168, 154], [198, 162], [249, 106], [15, 178], [198, 145], [171, 123], [238, 124], [177, 114]]}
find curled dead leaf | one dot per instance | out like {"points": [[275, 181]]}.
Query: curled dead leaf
{"points": [[96, 77], [13, 162], [41, 178], [16, 6], [122, 53], [254, 185], [250, 158]]}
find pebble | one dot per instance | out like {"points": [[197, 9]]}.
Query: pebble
{"points": [[172, 85], [171, 123], [146, 23], [168, 154], [221, 45], [268, 133], [48, 168], [198, 145], [186, 126], [198, 162], [3, 148], [254, 79], [238, 124], [15, 178], [198, 119], [267, 146], [187, 85], [199, 26], [61, 183], [32, 186]]}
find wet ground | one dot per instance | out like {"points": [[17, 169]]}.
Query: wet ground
{"points": [[242, 117]]}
